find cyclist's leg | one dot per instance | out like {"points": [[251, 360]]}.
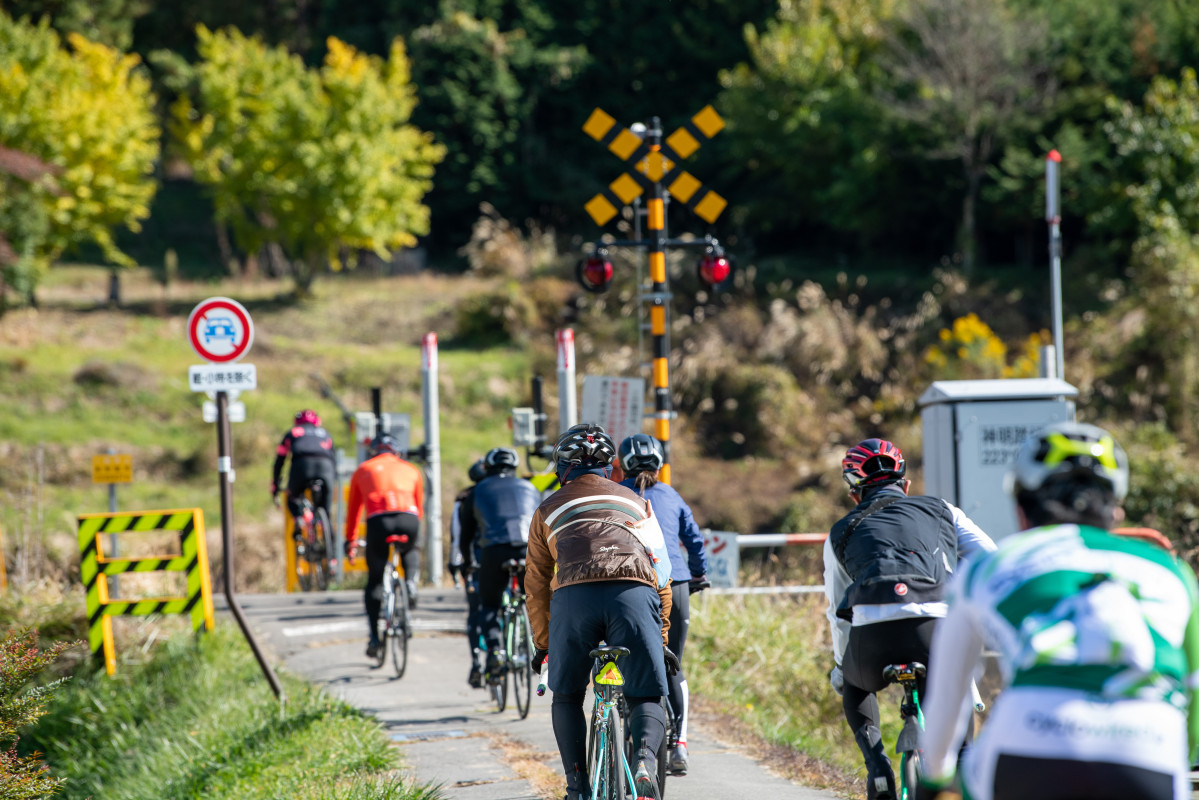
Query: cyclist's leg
{"points": [[576, 627], [295, 507], [410, 554], [377, 529], [865, 656], [493, 578], [680, 621], [473, 629], [633, 620]]}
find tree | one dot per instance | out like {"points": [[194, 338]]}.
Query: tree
{"points": [[1160, 142], [86, 113], [108, 22], [972, 72], [319, 161]]}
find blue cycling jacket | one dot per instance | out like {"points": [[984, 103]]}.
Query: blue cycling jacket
{"points": [[679, 529]]}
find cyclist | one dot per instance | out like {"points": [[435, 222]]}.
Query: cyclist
{"points": [[1098, 642], [886, 564], [311, 449], [391, 492], [458, 566], [590, 579], [495, 527], [640, 458]]}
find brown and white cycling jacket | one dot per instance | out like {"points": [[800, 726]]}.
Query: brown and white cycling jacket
{"points": [[581, 534]]}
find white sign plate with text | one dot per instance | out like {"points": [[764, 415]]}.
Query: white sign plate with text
{"points": [[222, 377]]}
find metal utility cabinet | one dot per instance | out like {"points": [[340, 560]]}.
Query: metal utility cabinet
{"points": [[972, 432]]}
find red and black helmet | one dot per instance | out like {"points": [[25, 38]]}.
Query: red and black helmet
{"points": [[874, 462]]}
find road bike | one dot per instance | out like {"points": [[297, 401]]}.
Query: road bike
{"points": [[314, 542], [397, 621], [517, 635]]}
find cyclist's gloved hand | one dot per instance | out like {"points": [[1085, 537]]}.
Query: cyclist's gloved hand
{"points": [[275, 493], [351, 548], [673, 665], [539, 657], [837, 679], [698, 584]]}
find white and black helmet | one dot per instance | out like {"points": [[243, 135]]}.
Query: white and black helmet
{"points": [[587, 445], [501, 459], [1069, 454], [640, 453]]}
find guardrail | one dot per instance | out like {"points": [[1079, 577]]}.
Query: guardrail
{"points": [[724, 558]]}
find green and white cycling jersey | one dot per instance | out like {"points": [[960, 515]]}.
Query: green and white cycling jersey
{"points": [[1074, 612]]}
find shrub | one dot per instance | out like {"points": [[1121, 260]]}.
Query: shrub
{"points": [[21, 661]]}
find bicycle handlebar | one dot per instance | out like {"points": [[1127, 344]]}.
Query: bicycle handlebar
{"points": [[545, 671]]}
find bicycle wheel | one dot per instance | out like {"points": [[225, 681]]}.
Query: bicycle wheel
{"points": [[910, 772], [520, 661], [499, 683], [605, 762], [320, 546], [398, 626], [302, 567], [386, 612]]}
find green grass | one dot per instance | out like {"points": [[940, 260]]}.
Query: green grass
{"points": [[766, 659], [198, 720]]}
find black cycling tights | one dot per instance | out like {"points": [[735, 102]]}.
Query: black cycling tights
{"points": [[647, 723], [1023, 778]]}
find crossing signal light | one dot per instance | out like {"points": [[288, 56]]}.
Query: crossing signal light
{"points": [[595, 272], [714, 269]]}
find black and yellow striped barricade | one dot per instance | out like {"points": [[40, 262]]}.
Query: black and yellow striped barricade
{"points": [[95, 569]]}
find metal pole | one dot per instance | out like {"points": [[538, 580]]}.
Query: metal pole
{"points": [[568, 409], [1053, 215], [113, 547], [377, 409], [225, 471], [659, 312], [432, 456], [538, 416]]}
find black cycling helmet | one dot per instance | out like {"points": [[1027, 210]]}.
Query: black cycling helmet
{"points": [[384, 443], [477, 471], [584, 445], [501, 459], [872, 462], [640, 453]]}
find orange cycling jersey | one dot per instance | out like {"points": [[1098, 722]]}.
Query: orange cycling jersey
{"points": [[384, 484]]}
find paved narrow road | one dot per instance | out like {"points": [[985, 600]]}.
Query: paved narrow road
{"points": [[451, 734]]}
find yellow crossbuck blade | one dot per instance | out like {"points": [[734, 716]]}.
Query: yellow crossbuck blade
{"points": [[654, 165]]}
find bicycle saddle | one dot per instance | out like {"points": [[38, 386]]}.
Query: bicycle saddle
{"points": [[397, 538], [903, 672], [609, 652], [514, 565]]}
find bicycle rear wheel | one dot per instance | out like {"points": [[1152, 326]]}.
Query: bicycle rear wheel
{"points": [[520, 661], [320, 546], [605, 761], [399, 626], [386, 612], [910, 772]]}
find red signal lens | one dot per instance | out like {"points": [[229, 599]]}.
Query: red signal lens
{"points": [[714, 270], [594, 273]]}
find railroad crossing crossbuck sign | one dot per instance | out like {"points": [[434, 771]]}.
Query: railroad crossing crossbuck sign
{"points": [[655, 164]]}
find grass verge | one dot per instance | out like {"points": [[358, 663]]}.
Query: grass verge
{"points": [[198, 720], [758, 665]]}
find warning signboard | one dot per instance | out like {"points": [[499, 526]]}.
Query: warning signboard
{"points": [[724, 558], [616, 403], [112, 469]]}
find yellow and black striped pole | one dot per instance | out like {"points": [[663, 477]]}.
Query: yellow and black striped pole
{"points": [[659, 312]]}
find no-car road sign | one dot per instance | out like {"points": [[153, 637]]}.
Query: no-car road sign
{"points": [[220, 330]]}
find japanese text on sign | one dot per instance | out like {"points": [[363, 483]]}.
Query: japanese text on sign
{"points": [[217, 377], [616, 403], [998, 444], [112, 469]]}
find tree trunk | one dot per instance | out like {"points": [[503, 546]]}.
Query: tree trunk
{"points": [[967, 234], [228, 259], [114, 288]]}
